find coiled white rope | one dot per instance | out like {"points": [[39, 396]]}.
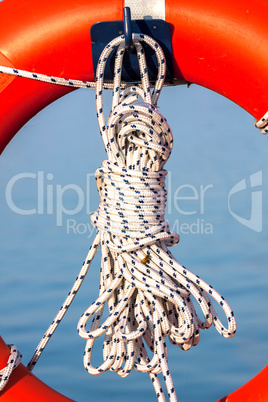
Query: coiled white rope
{"points": [[148, 293], [13, 362]]}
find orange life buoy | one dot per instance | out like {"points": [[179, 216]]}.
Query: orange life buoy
{"points": [[221, 45]]}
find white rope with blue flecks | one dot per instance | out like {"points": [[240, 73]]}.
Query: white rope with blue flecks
{"points": [[148, 293], [12, 363], [262, 124], [67, 82], [47, 78]]}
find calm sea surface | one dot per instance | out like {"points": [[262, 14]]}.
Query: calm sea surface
{"points": [[47, 193]]}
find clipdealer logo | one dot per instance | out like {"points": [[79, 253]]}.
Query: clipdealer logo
{"points": [[254, 222], [188, 201], [50, 196]]}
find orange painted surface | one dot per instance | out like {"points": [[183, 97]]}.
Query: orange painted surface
{"points": [[256, 390]]}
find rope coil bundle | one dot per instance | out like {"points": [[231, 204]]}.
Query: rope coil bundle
{"points": [[148, 293]]}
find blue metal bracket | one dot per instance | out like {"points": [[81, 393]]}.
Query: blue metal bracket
{"points": [[103, 32]]}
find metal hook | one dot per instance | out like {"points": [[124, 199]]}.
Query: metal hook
{"points": [[127, 26]]}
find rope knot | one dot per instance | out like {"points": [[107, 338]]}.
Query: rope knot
{"points": [[132, 205], [139, 137]]}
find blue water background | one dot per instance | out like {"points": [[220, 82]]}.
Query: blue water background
{"points": [[215, 145]]}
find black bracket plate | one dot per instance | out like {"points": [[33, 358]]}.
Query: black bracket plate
{"points": [[103, 32]]}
